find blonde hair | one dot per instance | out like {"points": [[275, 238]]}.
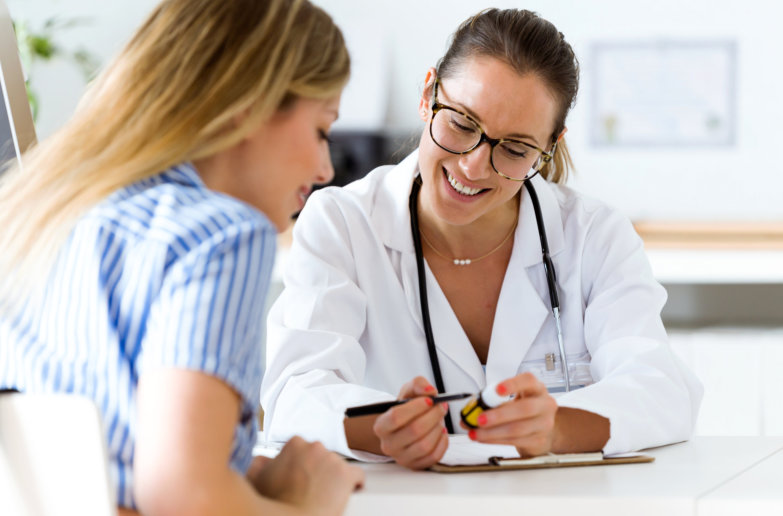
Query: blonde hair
{"points": [[194, 80]]}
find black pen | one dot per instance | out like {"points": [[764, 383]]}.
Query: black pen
{"points": [[380, 408]]}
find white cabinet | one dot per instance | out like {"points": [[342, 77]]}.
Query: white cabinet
{"points": [[725, 320], [740, 368]]}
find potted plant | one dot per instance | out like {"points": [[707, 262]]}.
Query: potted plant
{"points": [[40, 45]]}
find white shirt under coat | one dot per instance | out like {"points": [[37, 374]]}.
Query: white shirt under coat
{"points": [[347, 330]]}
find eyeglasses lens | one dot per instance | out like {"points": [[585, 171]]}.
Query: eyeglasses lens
{"points": [[457, 133]]}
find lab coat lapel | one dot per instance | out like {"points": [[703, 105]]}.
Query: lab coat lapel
{"points": [[519, 316], [522, 310], [410, 286], [450, 338], [391, 219]]}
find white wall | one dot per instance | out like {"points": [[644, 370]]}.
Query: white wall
{"points": [[105, 28], [660, 183], [410, 35]]}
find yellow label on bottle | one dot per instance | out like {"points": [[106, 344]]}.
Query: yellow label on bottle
{"points": [[470, 413]]}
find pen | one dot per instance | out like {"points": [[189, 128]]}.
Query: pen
{"points": [[380, 408]]}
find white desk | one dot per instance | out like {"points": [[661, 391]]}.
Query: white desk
{"points": [[700, 477], [757, 490]]}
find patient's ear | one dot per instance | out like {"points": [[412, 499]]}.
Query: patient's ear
{"points": [[426, 95]]}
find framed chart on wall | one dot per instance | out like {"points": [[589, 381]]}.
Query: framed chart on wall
{"points": [[663, 93]]}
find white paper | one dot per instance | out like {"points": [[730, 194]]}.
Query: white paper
{"points": [[554, 458], [629, 455], [266, 448], [272, 448], [462, 451]]}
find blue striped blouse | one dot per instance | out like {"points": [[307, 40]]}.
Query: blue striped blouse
{"points": [[164, 272]]}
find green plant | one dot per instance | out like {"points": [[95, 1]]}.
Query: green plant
{"points": [[40, 45]]}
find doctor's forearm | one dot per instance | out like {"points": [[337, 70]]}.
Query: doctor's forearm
{"points": [[360, 434], [579, 431]]}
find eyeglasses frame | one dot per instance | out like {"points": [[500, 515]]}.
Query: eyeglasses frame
{"points": [[545, 158]]}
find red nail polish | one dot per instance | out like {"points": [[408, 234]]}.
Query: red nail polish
{"points": [[472, 435], [428, 401], [445, 431], [501, 389], [429, 388], [482, 419]]}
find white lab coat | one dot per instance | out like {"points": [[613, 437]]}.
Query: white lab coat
{"points": [[347, 330]]}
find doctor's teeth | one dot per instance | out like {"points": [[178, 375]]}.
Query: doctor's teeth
{"points": [[464, 190]]}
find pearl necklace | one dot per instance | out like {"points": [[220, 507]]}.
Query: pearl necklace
{"points": [[468, 261]]}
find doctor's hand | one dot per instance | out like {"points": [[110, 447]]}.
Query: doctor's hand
{"points": [[527, 421], [413, 434], [308, 476]]}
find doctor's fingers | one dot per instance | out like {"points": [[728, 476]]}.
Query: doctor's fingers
{"points": [[419, 386], [531, 437], [524, 408], [426, 451], [525, 384], [394, 442], [403, 415]]}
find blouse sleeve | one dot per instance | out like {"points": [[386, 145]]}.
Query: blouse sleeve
{"points": [[208, 316]]}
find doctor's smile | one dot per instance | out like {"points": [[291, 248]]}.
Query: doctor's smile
{"points": [[462, 189]]}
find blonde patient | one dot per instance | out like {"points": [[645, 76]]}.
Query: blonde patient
{"points": [[138, 243]]}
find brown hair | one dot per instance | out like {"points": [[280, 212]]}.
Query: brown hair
{"points": [[530, 45], [195, 79]]}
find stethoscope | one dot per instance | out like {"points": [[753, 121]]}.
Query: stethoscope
{"points": [[551, 280]]}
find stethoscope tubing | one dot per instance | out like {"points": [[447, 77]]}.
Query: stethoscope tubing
{"points": [[425, 309], [551, 281]]}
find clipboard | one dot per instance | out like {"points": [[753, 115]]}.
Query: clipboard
{"points": [[566, 460]]}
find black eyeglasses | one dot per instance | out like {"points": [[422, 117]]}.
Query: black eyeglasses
{"points": [[458, 133]]}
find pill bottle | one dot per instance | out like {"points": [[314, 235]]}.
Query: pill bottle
{"points": [[485, 400]]}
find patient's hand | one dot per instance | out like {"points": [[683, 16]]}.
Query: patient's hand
{"points": [[308, 476]]}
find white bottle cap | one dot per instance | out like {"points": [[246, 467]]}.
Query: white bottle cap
{"points": [[491, 397]]}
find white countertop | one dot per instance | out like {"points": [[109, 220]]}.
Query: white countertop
{"points": [[757, 490], [694, 478], [673, 265], [716, 265]]}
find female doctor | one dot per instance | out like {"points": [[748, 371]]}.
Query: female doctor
{"points": [[470, 264]]}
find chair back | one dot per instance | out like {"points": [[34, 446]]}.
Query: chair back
{"points": [[53, 457]]}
